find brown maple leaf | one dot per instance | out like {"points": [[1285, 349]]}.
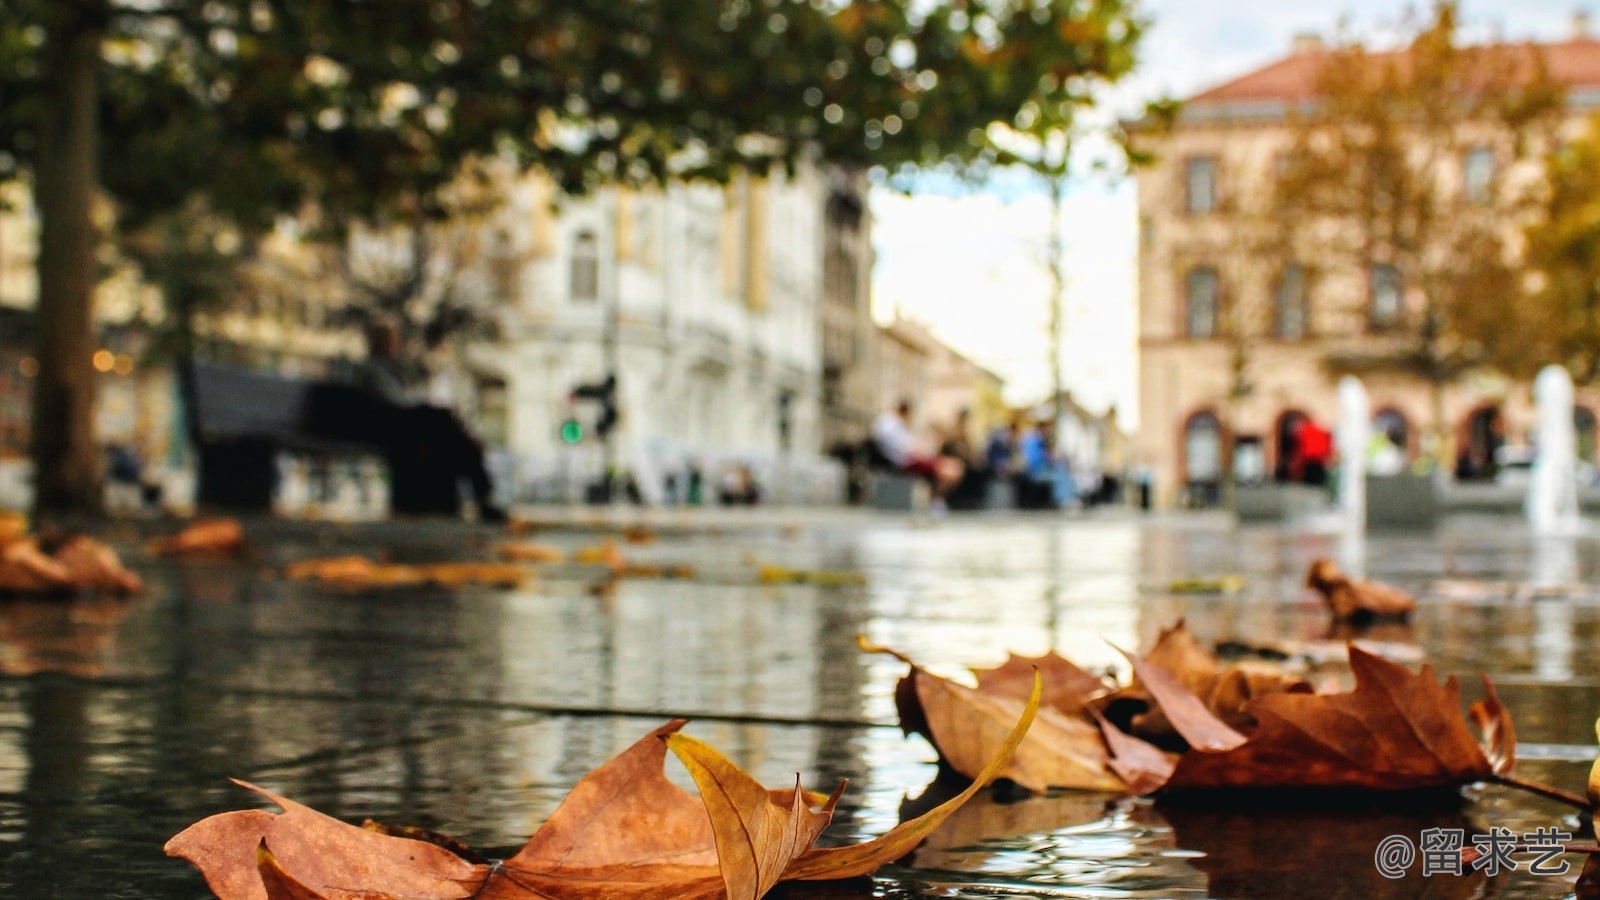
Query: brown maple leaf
{"points": [[1357, 601], [205, 537], [1226, 691], [965, 724], [1395, 731], [625, 830]]}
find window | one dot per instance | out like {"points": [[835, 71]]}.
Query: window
{"points": [[1200, 315], [1289, 304], [1478, 174], [1201, 178], [1388, 293], [585, 267]]}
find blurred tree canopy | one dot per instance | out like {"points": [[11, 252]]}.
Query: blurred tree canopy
{"points": [[1563, 252], [203, 120], [1400, 171]]}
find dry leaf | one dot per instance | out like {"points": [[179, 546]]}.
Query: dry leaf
{"points": [[1224, 691], [26, 569], [94, 565], [773, 574], [532, 553], [1396, 731], [966, 725], [603, 554], [13, 526], [1067, 688], [206, 537], [358, 572], [77, 563], [623, 831], [639, 534], [1357, 601]]}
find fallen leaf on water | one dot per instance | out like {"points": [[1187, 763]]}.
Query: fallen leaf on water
{"points": [[965, 724], [67, 564], [1226, 692], [532, 553], [93, 564], [1218, 584], [1397, 730], [639, 534], [13, 525], [773, 574], [1067, 688], [358, 572], [603, 554], [1357, 601], [623, 831], [206, 537]]}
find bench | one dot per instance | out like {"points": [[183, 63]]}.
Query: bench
{"points": [[245, 419]]}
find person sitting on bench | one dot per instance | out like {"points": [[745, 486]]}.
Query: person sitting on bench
{"points": [[891, 435], [409, 423]]}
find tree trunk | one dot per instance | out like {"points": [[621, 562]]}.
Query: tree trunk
{"points": [[66, 459]]}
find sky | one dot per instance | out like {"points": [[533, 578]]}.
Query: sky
{"points": [[970, 264]]}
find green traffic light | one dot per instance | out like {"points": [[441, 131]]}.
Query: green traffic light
{"points": [[571, 431]]}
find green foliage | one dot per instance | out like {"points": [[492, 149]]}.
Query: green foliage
{"points": [[363, 105]]}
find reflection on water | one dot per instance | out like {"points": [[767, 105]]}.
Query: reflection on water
{"points": [[473, 711]]}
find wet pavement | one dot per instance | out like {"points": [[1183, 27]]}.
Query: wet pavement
{"points": [[472, 711]]}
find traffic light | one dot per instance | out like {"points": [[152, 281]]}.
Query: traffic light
{"points": [[606, 392], [571, 431]]}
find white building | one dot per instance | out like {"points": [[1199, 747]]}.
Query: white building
{"points": [[714, 297]]}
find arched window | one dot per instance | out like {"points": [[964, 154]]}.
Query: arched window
{"points": [[1388, 296], [1289, 304], [1200, 313], [1583, 426], [1286, 435], [585, 267], [1202, 447]]}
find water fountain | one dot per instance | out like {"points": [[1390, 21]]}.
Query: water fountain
{"points": [[1552, 504], [1352, 435]]}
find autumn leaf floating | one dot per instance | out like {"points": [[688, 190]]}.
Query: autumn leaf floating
{"points": [[1357, 602], [59, 563], [773, 574], [202, 538], [530, 552], [359, 573], [1184, 723], [625, 830]]}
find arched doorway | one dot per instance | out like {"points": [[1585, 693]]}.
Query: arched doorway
{"points": [[1392, 424], [1202, 459], [1285, 441], [1584, 426], [1483, 436]]}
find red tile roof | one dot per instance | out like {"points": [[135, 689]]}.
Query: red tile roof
{"points": [[1575, 63]]}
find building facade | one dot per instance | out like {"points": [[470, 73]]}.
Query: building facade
{"points": [[849, 335], [703, 302], [1218, 391]]}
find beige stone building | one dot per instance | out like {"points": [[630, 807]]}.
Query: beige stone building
{"points": [[849, 335], [1196, 414]]}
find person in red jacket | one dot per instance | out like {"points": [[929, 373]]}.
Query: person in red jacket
{"points": [[1312, 453]]}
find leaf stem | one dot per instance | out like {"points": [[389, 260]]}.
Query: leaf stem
{"points": [[1545, 790]]}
